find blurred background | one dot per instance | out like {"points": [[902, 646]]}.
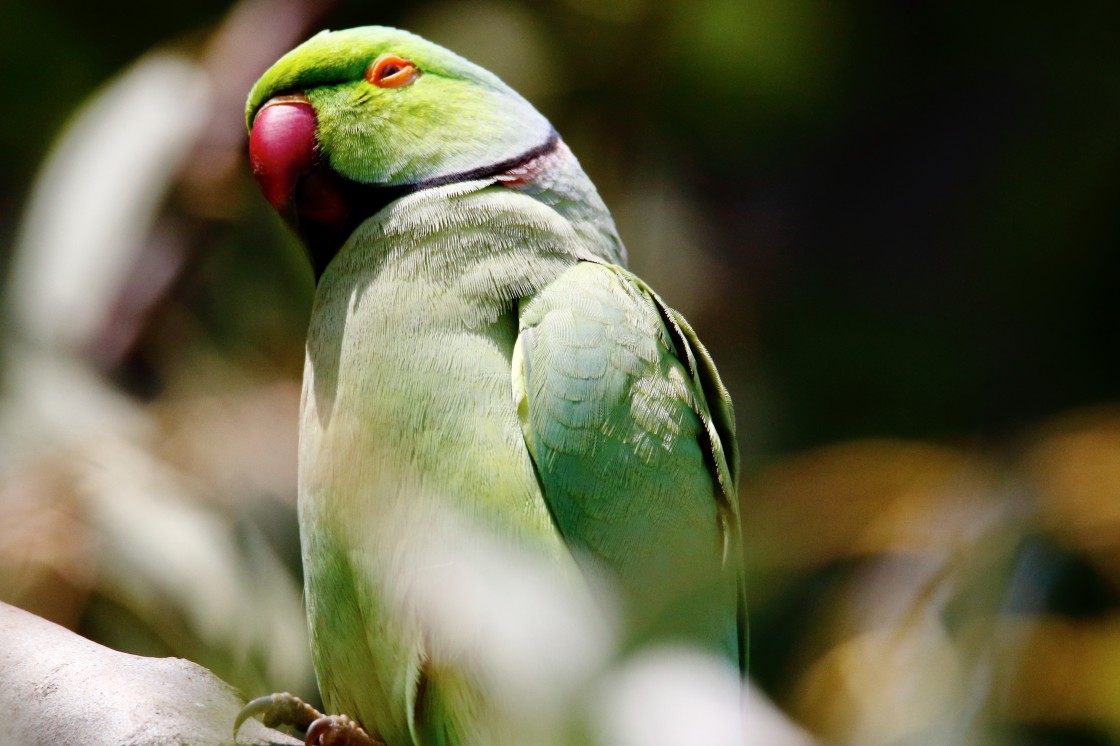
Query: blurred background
{"points": [[894, 225]]}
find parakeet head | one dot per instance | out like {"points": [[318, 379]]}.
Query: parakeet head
{"points": [[350, 120]]}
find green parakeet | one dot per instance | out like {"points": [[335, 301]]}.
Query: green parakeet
{"points": [[477, 349]]}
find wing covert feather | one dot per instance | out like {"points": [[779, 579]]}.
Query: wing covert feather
{"points": [[633, 439]]}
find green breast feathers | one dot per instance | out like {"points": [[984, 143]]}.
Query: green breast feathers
{"points": [[505, 435]]}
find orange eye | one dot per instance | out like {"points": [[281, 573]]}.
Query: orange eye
{"points": [[391, 71]]}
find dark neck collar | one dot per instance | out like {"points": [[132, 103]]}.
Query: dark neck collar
{"points": [[323, 242]]}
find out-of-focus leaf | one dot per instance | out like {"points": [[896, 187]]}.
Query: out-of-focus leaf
{"points": [[885, 685], [97, 197], [240, 443], [1061, 671], [667, 695], [861, 497], [165, 549], [1074, 464], [48, 552]]}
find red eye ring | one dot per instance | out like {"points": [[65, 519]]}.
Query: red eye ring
{"points": [[391, 71]]}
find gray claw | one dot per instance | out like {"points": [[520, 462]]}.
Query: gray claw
{"points": [[281, 708], [338, 730]]}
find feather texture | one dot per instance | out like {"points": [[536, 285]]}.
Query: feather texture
{"points": [[482, 370]]}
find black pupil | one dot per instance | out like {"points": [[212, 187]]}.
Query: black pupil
{"points": [[390, 70]]}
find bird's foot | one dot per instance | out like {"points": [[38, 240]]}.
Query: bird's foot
{"points": [[338, 730], [321, 730]]}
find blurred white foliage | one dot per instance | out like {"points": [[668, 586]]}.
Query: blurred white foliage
{"points": [[766, 725], [546, 648], [97, 195], [88, 214], [167, 554], [166, 550], [670, 696], [530, 629], [52, 400]]}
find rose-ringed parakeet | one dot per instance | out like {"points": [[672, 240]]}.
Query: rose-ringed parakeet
{"points": [[478, 349]]}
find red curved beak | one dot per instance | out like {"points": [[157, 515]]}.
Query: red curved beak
{"points": [[282, 147]]}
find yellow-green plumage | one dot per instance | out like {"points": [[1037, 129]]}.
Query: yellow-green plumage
{"points": [[477, 350]]}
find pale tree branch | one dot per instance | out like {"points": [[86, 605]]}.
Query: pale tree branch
{"points": [[59, 688]]}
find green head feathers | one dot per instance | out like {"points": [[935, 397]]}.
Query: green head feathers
{"points": [[450, 116]]}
